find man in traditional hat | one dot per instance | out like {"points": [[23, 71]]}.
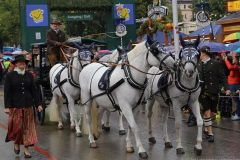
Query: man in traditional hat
{"points": [[55, 38]]}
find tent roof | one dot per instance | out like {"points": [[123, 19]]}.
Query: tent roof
{"points": [[234, 17], [216, 30]]}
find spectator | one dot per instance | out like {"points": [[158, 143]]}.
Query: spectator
{"points": [[234, 82], [1, 71], [7, 63], [225, 103]]}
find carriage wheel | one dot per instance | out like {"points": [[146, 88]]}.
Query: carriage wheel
{"points": [[41, 115]]}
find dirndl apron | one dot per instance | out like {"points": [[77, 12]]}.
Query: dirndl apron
{"points": [[22, 126]]}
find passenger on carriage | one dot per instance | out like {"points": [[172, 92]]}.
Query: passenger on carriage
{"points": [[55, 38]]}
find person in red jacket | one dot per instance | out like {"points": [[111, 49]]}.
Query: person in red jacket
{"points": [[234, 82]]}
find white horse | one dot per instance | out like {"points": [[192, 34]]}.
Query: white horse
{"points": [[67, 86], [126, 87], [180, 89], [115, 57]]}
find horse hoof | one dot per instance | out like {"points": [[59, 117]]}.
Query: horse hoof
{"points": [[143, 155], [122, 132], [78, 134], [180, 151], [60, 127], [197, 151], [107, 129], [72, 127], [152, 140], [168, 145], [129, 149], [93, 145]]}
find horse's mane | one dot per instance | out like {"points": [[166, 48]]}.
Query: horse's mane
{"points": [[139, 48], [131, 54], [75, 53]]}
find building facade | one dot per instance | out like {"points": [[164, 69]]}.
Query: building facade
{"points": [[186, 11]]}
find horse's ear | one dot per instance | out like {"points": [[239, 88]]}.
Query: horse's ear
{"points": [[197, 41], [149, 40], [91, 45], [77, 46], [119, 50], [182, 41]]}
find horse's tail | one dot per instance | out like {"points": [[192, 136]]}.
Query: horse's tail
{"points": [[94, 115], [155, 115], [54, 112]]}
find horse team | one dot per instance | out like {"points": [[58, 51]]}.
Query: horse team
{"points": [[146, 71]]}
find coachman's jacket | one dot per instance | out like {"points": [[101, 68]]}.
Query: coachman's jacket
{"points": [[52, 38], [20, 91], [214, 76]]}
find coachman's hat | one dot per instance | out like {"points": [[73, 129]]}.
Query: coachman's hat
{"points": [[21, 57], [55, 21]]}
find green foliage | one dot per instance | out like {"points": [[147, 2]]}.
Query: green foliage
{"points": [[83, 5], [217, 8], [156, 25], [9, 22]]}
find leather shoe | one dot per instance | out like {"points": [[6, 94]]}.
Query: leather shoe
{"points": [[190, 124], [16, 151], [210, 138], [27, 155]]}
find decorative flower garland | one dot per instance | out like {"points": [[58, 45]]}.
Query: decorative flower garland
{"points": [[152, 26]]}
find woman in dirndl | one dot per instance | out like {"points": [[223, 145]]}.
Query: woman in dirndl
{"points": [[20, 97]]}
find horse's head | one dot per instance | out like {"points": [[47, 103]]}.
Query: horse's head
{"points": [[189, 56], [85, 54], [158, 56]]}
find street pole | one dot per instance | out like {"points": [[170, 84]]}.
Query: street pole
{"points": [[175, 28]]}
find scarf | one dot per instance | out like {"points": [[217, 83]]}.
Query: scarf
{"points": [[19, 71]]}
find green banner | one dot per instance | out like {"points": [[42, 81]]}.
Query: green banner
{"points": [[78, 16]]}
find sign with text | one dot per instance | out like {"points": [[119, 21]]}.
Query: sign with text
{"points": [[37, 15], [233, 6], [231, 28], [158, 9], [78, 16]]}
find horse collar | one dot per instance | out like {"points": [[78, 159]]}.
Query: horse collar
{"points": [[128, 74]]}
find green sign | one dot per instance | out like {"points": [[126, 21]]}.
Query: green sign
{"points": [[78, 16]]}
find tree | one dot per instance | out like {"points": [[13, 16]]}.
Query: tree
{"points": [[9, 23]]}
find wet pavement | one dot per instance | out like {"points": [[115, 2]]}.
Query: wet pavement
{"points": [[64, 145]]}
